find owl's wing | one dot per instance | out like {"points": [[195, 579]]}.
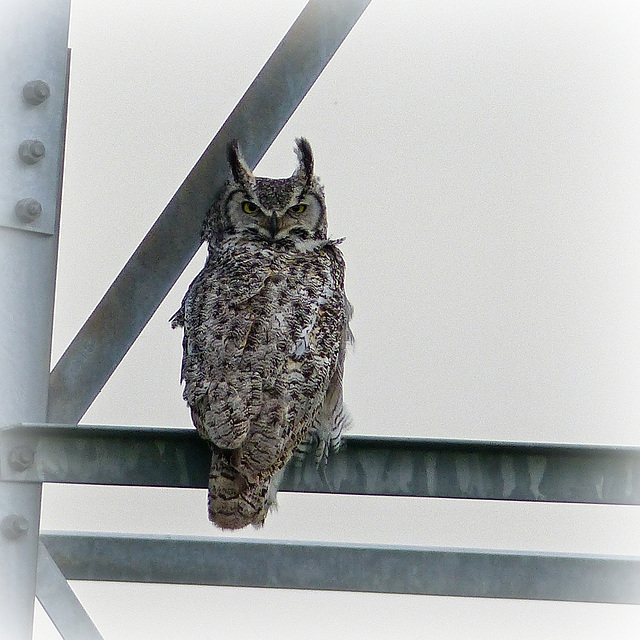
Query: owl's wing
{"points": [[221, 393], [333, 418]]}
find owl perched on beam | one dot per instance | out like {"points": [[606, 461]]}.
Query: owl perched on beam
{"points": [[266, 324]]}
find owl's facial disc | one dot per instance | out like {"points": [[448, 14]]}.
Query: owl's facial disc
{"points": [[294, 217]]}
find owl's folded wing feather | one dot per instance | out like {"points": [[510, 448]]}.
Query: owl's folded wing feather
{"points": [[223, 396]]}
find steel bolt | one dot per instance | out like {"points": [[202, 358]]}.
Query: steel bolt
{"points": [[14, 526], [36, 92], [31, 151], [21, 458], [28, 209]]}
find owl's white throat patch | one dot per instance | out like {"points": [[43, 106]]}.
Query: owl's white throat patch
{"points": [[310, 244]]}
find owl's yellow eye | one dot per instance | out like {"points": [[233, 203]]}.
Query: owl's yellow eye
{"points": [[297, 208], [250, 207]]}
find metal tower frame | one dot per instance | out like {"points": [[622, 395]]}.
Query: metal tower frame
{"points": [[41, 441]]}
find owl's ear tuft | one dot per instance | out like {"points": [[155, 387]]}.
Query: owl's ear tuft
{"points": [[305, 161], [239, 169]]}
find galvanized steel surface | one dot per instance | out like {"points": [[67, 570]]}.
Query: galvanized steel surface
{"points": [[366, 465], [33, 93], [33, 46], [348, 567], [60, 602]]}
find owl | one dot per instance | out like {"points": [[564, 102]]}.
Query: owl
{"points": [[266, 324]]}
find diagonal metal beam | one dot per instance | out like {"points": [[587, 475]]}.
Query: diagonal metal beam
{"points": [[60, 602], [175, 237], [347, 567], [366, 465]]}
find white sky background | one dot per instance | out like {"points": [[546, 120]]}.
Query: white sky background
{"points": [[483, 160]]}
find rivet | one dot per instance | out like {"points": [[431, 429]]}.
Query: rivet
{"points": [[21, 458], [28, 209], [14, 526], [31, 151], [36, 92]]}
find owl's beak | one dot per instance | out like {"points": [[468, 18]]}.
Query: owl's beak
{"points": [[275, 225]]}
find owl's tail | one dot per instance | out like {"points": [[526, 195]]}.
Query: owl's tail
{"points": [[234, 501]]}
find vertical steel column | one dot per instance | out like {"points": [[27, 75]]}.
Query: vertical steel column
{"points": [[33, 87]]}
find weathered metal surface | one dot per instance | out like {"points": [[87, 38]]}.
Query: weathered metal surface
{"points": [[481, 470], [175, 237], [33, 46], [60, 602], [20, 518], [365, 465], [33, 90], [382, 569]]}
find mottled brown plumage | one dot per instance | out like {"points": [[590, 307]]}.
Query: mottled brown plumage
{"points": [[265, 330]]}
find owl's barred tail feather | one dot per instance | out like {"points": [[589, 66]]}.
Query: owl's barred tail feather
{"points": [[233, 502]]}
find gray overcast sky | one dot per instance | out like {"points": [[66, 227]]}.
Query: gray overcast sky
{"points": [[483, 160]]}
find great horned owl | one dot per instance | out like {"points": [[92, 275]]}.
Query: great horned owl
{"points": [[266, 323]]}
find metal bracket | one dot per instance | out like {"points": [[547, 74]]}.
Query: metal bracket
{"points": [[33, 94]]}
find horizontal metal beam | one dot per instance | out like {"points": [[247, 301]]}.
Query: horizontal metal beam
{"points": [[346, 567], [156, 264], [170, 457]]}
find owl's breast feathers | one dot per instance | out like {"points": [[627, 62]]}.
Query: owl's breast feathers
{"points": [[264, 335]]}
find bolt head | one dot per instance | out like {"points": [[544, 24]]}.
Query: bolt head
{"points": [[21, 458], [31, 151], [36, 92], [28, 209], [14, 526]]}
